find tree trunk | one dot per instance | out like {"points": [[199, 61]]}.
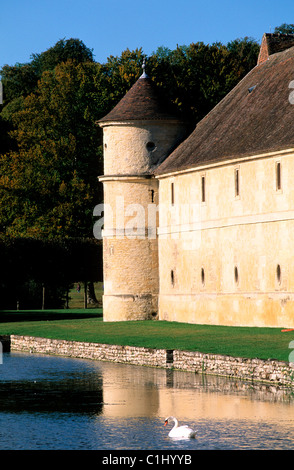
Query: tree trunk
{"points": [[43, 297], [91, 296], [85, 295], [67, 298]]}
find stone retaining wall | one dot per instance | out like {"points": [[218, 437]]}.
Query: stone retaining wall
{"points": [[100, 352], [236, 367], [271, 371]]}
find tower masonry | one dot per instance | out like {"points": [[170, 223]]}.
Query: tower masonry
{"points": [[138, 134]]}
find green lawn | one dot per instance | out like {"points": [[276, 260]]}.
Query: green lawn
{"points": [[76, 299], [87, 325]]}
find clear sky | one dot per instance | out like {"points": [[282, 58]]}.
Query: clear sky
{"points": [[110, 26]]}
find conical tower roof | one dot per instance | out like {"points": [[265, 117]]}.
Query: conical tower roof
{"points": [[142, 102]]}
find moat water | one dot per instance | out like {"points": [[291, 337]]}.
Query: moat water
{"points": [[55, 403]]}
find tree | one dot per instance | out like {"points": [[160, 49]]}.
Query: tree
{"points": [[48, 186], [36, 272], [62, 51], [117, 76], [196, 77], [51, 150], [22, 79], [243, 54], [18, 80], [284, 29]]}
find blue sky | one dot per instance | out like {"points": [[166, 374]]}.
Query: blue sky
{"points": [[110, 26]]}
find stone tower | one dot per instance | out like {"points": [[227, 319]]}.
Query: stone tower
{"points": [[138, 134]]}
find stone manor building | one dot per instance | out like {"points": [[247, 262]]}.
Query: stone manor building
{"points": [[200, 229]]}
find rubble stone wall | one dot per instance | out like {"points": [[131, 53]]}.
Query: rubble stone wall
{"points": [[270, 371]]}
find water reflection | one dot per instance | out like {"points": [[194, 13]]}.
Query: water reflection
{"points": [[32, 385], [78, 404], [148, 392], [72, 396]]}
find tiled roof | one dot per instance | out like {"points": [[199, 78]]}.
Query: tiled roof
{"points": [[255, 117], [142, 102]]}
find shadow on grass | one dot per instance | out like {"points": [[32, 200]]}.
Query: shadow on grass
{"points": [[7, 316]]}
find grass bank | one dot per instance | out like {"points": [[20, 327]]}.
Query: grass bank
{"points": [[87, 325]]}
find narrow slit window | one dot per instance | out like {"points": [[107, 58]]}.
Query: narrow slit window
{"points": [[172, 277], [278, 176], [279, 274], [202, 277], [236, 275], [172, 194], [203, 189], [237, 182]]}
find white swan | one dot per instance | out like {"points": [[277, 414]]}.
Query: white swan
{"points": [[179, 431]]}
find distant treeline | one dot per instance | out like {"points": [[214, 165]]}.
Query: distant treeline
{"points": [[38, 273]]}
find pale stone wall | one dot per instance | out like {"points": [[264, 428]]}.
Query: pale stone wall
{"points": [[270, 371], [130, 266], [130, 204], [128, 149], [129, 307], [130, 279], [228, 260], [130, 249]]}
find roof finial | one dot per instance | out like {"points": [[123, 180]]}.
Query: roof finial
{"points": [[144, 74]]}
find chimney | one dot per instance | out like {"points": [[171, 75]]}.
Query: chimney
{"points": [[263, 52], [273, 43]]}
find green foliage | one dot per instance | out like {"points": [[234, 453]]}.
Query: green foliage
{"points": [[22, 79], [118, 75], [284, 29], [196, 77], [62, 51], [18, 80], [48, 186]]}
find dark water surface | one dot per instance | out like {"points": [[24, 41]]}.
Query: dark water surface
{"points": [[55, 403]]}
